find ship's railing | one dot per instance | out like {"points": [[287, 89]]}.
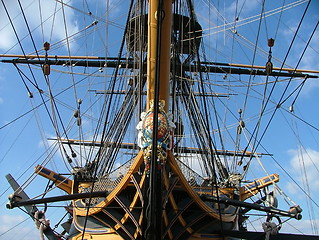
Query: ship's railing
{"points": [[109, 181], [193, 178]]}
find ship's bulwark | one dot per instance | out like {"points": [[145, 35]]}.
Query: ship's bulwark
{"points": [[184, 213]]}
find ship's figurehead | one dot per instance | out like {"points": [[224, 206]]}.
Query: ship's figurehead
{"points": [[164, 133]]}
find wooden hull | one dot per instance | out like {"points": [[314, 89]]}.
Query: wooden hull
{"points": [[184, 214]]}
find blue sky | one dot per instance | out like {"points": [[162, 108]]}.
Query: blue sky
{"points": [[293, 143]]}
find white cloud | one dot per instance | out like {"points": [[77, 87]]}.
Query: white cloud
{"points": [[9, 219], [292, 188], [309, 60], [7, 38], [304, 165], [289, 29], [24, 231], [299, 227], [242, 6], [32, 13]]}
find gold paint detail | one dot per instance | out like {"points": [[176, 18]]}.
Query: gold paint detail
{"points": [[254, 187], [82, 211], [60, 181]]}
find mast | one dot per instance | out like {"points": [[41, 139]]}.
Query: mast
{"points": [[158, 71], [158, 57]]}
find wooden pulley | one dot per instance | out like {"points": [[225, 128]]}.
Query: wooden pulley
{"points": [[269, 67], [46, 46], [79, 121], [76, 113], [271, 42], [46, 69]]}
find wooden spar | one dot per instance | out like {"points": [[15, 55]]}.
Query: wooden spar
{"points": [[261, 67], [235, 65], [189, 150], [165, 42], [31, 209], [50, 56]]}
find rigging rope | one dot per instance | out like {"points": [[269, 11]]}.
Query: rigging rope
{"points": [[206, 126], [97, 171], [30, 34], [272, 90], [280, 100]]}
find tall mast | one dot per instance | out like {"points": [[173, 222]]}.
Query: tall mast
{"points": [[163, 46], [158, 72]]}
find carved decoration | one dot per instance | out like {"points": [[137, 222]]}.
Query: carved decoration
{"points": [[164, 134]]}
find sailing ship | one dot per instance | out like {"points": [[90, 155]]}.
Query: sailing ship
{"points": [[156, 136]]}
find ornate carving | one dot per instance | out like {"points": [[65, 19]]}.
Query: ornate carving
{"points": [[164, 133]]}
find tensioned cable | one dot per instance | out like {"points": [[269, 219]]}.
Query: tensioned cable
{"points": [[206, 126], [250, 45], [302, 145], [56, 95], [205, 123], [107, 166], [301, 188], [72, 36], [196, 121], [68, 49], [71, 69], [43, 103], [298, 88], [41, 22], [53, 21], [286, 88], [279, 20], [305, 180], [117, 130], [104, 108], [99, 18], [285, 171], [23, 49], [256, 17], [302, 84], [299, 118], [192, 109], [280, 100], [48, 84], [273, 87], [99, 154], [267, 14], [25, 84], [33, 175], [269, 112], [253, 60], [16, 34], [237, 141], [121, 122], [211, 138], [10, 229], [250, 78], [5, 154], [87, 32]]}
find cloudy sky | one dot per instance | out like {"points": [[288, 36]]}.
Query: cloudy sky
{"points": [[296, 156]]}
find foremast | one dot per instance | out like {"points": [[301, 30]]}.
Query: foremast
{"points": [[159, 49], [158, 74]]}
